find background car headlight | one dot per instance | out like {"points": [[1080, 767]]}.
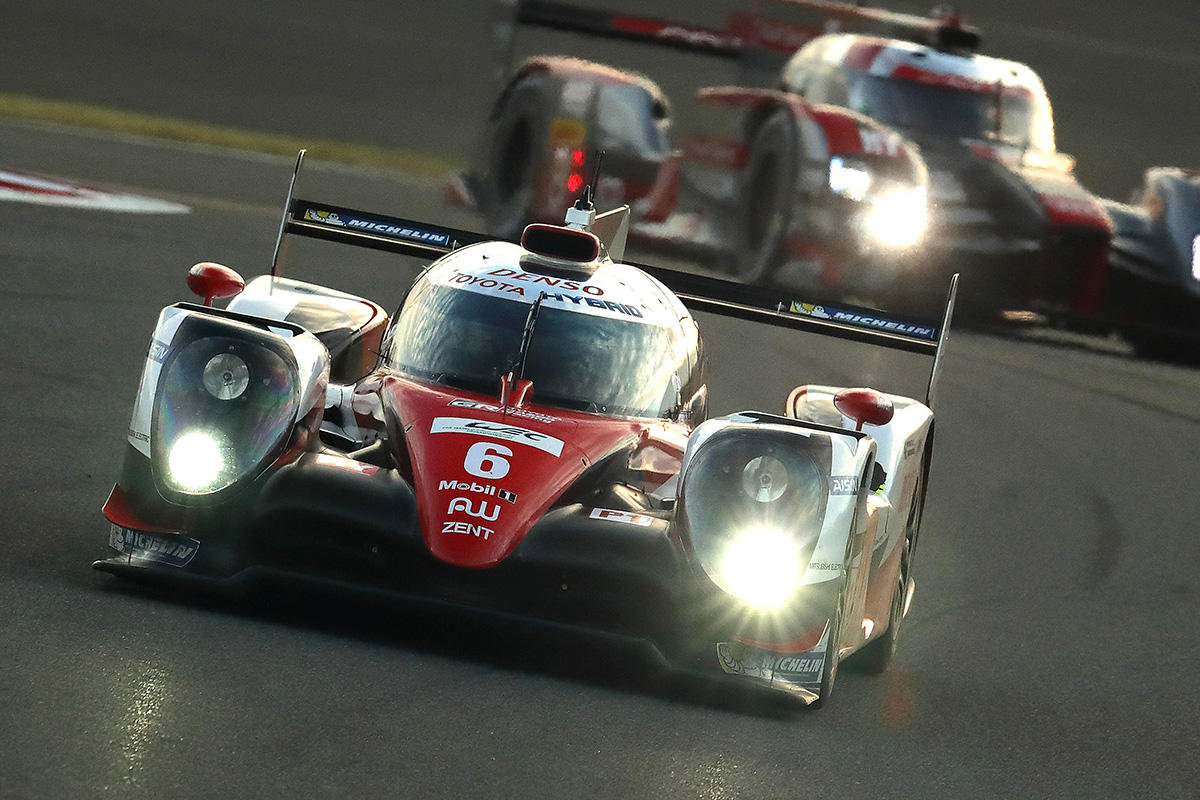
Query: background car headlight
{"points": [[751, 506], [224, 408], [897, 217]]}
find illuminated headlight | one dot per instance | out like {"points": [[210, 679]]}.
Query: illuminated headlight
{"points": [[224, 408], [897, 217], [761, 566], [196, 462], [849, 178], [751, 506]]}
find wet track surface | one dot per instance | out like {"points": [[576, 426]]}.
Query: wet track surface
{"points": [[1049, 653]]}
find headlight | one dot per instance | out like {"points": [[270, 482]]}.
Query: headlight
{"points": [[897, 217], [197, 461], [224, 408], [849, 178], [762, 566], [751, 506]]}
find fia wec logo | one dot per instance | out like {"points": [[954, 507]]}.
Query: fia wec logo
{"points": [[498, 430]]}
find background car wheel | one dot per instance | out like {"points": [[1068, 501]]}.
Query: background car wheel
{"points": [[765, 198], [516, 153]]}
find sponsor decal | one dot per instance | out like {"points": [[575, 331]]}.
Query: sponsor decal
{"points": [[843, 484], [588, 299], [171, 549], [480, 488], [138, 435], [911, 447], [879, 143], [737, 658], [328, 217], [498, 430], [158, 351], [467, 529], [547, 280], [613, 515], [462, 402], [809, 310], [382, 227], [464, 505], [862, 320], [824, 566]]}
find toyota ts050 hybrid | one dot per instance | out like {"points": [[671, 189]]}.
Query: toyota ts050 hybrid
{"points": [[528, 436], [862, 154]]}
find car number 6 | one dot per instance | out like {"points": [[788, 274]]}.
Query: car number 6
{"points": [[486, 460]]}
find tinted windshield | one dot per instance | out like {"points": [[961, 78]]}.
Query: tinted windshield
{"points": [[577, 361], [1008, 114]]}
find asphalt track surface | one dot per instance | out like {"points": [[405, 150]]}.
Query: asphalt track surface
{"points": [[1049, 653]]}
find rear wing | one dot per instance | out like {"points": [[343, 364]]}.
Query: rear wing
{"points": [[697, 292], [764, 33]]}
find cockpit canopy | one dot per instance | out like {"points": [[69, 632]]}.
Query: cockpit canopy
{"points": [[614, 343]]}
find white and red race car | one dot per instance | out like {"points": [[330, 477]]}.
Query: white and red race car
{"points": [[532, 440]]}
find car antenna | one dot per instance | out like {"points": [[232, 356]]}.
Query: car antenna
{"points": [[581, 215]]}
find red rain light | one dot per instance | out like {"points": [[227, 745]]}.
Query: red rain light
{"points": [[575, 182]]}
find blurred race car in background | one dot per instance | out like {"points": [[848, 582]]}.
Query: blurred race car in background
{"points": [[881, 154], [532, 440]]}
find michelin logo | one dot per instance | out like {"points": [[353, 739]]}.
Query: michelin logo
{"points": [[400, 232], [174, 550], [327, 217], [862, 320], [382, 228]]}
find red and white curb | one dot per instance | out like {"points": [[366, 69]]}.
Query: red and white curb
{"points": [[24, 187]]}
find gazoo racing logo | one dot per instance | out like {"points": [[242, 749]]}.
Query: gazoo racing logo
{"points": [[498, 430]]}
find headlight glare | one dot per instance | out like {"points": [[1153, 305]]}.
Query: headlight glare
{"points": [[196, 461], [897, 217], [751, 507], [762, 567]]}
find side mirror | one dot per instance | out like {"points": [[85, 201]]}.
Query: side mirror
{"points": [[212, 281], [864, 406]]}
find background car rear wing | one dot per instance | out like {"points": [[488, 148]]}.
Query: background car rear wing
{"points": [[697, 292], [763, 27]]}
